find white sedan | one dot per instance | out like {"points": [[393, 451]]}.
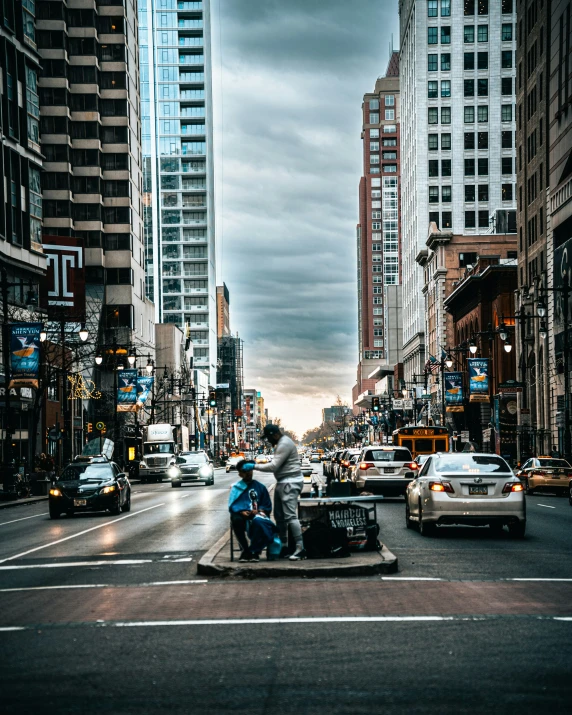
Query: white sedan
{"points": [[466, 488]]}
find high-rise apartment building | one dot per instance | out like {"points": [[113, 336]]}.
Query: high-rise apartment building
{"points": [[176, 105], [223, 311], [457, 81], [378, 239], [90, 137]]}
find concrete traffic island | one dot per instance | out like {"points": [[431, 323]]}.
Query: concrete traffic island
{"points": [[216, 562]]}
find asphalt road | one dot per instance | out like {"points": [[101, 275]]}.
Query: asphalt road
{"points": [[106, 614]]}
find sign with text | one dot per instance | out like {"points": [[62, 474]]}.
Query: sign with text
{"points": [[64, 296], [24, 354], [453, 391], [478, 379], [127, 391], [562, 276]]}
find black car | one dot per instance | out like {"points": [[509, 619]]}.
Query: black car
{"points": [[90, 484]]}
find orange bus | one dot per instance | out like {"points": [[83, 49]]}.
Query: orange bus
{"points": [[422, 440]]}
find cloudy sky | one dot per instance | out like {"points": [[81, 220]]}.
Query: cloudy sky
{"points": [[288, 79]]}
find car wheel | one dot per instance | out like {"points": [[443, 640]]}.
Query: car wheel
{"points": [[127, 505], [175, 485], [408, 523], [426, 528], [517, 530], [210, 483], [116, 508], [54, 513]]}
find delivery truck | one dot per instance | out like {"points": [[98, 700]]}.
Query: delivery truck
{"points": [[160, 452]]}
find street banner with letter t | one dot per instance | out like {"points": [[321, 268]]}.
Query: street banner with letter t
{"points": [[127, 391], [63, 292], [454, 391], [144, 385], [24, 353], [478, 379]]}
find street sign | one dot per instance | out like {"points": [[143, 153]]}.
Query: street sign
{"points": [[407, 404], [465, 435], [222, 385], [525, 416], [397, 404], [426, 396], [53, 434]]}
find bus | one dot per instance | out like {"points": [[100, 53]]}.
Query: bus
{"points": [[422, 440]]}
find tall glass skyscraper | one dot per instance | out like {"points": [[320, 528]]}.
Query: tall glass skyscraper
{"points": [[178, 176]]}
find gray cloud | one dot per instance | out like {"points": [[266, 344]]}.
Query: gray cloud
{"points": [[292, 78]]}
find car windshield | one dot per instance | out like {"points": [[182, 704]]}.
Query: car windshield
{"points": [[159, 447], [389, 455], [471, 464], [561, 463], [193, 458], [86, 471]]}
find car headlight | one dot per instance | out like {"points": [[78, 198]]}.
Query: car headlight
{"points": [[108, 490], [205, 471], [55, 492], [173, 472], [142, 465]]}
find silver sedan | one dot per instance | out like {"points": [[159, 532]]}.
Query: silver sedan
{"points": [[466, 488]]}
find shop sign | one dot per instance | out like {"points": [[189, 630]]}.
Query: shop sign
{"points": [[478, 379], [509, 386]]}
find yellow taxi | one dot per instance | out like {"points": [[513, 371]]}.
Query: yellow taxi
{"points": [[262, 459], [546, 474]]}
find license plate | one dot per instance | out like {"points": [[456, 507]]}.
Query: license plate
{"points": [[478, 490], [79, 502], [388, 470]]}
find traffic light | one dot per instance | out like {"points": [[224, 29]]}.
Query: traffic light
{"points": [[375, 406], [89, 427], [212, 398]]}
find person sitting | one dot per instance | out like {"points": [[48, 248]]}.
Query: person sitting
{"points": [[250, 508]]}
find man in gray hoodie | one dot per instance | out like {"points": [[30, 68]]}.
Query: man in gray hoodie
{"points": [[285, 466]]}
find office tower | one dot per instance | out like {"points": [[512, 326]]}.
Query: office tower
{"points": [[90, 135], [457, 72], [176, 105], [223, 311], [378, 228]]}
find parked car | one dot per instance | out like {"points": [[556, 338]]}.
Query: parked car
{"points": [[546, 474], [421, 459], [315, 457], [466, 488], [231, 463], [90, 484], [192, 467], [344, 465], [384, 470]]}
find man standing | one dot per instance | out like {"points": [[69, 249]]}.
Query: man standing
{"points": [[285, 466], [250, 507]]}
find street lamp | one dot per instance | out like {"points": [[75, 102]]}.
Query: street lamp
{"points": [[132, 358], [503, 332], [98, 359], [43, 335], [149, 366], [449, 362], [542, 332], [473, 347], [541, 309], [83, 333], [507, 346]]}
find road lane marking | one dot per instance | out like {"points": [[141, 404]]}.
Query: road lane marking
{"points": [[546, 506], [120, 562], [5, 629], [80, 533], [100, 585], [410, 578], [23, 518], [259, 621]]}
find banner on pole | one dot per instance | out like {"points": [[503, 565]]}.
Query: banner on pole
{"points": [[454, 391], [24, 354], [127, 391], [478, 379], [144, 386]]}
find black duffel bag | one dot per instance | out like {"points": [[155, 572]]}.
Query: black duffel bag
{"points": [[324, 542]]}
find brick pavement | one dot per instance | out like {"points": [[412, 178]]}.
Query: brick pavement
{"points": [[222, 600]]}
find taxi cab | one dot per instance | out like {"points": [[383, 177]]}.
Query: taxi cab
{"points": [[546, 474]]}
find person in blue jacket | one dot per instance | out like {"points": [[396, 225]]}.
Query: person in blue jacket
{"points": [[250, 508]]}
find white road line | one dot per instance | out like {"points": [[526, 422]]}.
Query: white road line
{"points": [[80, 533], [563, 618], [179, 561], [410, 578], [5, 629], [100, 585], [549, 580], [69, 564], [23, 518], [258, 621], [546, 506]]}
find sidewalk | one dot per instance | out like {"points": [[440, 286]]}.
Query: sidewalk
{"points": [[216, 562], [5, 502]]}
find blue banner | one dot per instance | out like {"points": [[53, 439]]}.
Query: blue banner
{"points": [[127, 391], [454, 391], [144, 387], [478, 379], [24, 353]]}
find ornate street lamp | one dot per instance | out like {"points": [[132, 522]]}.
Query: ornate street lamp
{"points": [[83, 333]]}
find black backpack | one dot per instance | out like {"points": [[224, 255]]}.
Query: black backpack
{"points": [[322, 542]]}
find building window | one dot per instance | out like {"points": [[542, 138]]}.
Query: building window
{"points": [[483, 167], [389, 100], [389, 155], [469, 192], [390, 168], [506, 32], [432, 36], [446, 62], [506, 113], [431, 8], [433, 194], [482, 60], [483, 7], [506, 59], [433, 168], [469, 87], [469, 8], [389, 129], [433, 115], [446, 194], [389, 115], [445, 115], [445, 35], [469, 167], [506, 6], [483, 140], [432, 63], [447, 219], [374, 146], [506, 164], [373, 118], [506, 140], [506, 85], [445, 167], [445, 141], [469, 34], [432, 89], [445, 88], [434, 217], [483, 113], [469, 115], [374, 133], [483, 219], [469, 140], [483, 33], [389, 142], [433, 142], [469, 219], [373, 105], [445, 8], [483, 87], [374, 159], [469, 61], [506, 192], [483, 192]]}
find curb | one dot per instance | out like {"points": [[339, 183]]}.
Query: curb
{"points": [[22, 502], [311, 569]]}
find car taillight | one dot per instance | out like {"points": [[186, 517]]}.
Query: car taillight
{"points": [[512, 487], [412, 465], [441, 487], [366, 465], [345, 464]]}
